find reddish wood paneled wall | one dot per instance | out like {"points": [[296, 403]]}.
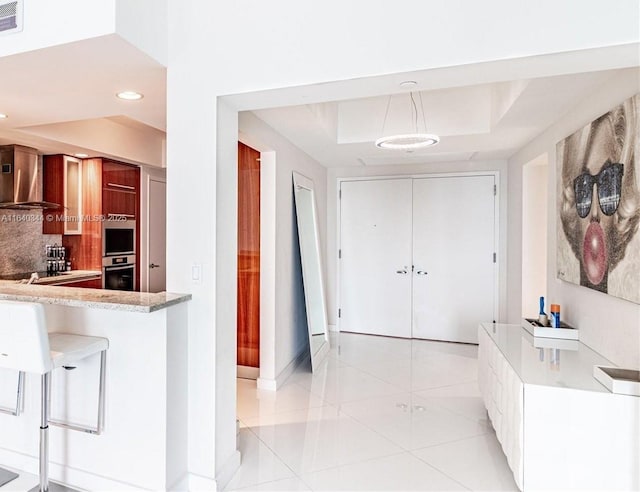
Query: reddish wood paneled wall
{"points": [[85, 250], [248, 256]]}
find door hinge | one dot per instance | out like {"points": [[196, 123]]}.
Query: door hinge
{"points": [[339, 313], [494, 257], [339, 194], [495, 190], [339, 254]]}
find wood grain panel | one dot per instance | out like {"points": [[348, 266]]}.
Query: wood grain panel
{"points": [[85, 250], [248, 316], [53, 191], [87, 284], [119, 200], [116, 175]]}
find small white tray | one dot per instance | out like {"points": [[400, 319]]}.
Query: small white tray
{"points": [[565, 331], [617, 380], [552, 343]]}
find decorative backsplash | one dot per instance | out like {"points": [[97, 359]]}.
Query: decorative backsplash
{"points": [[22, 244]]}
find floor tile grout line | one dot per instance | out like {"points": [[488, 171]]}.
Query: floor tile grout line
{"points": [[277, 456], [442, 471]]}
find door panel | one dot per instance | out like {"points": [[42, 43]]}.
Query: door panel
{"points": [[376, 244], [453, 246], [157, 236]]}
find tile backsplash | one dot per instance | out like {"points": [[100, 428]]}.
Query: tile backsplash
{"points": [[22, 244]]}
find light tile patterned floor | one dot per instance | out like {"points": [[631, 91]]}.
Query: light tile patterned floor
{"points": [[381, 414]]}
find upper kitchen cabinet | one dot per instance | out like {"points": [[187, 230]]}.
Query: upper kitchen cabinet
{"points": [[63, 184], [120, 185]]}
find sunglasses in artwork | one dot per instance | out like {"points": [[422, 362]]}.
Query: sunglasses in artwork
{"points": [[609, 181]]}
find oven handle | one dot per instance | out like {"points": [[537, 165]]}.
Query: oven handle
{"points": [[118, 267]]}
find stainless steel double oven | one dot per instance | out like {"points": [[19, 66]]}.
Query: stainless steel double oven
{"points": [[119, 253]]}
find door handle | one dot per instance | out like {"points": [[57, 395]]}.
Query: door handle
{"points": [[402, 272], [421, 272], [153, 265]]}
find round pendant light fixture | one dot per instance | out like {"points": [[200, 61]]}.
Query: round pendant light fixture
{"points": [[409, 141], [415, 137]]}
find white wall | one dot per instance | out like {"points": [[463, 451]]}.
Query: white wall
{"points": [[49, 23], [222, 48], [535, 206], [609, 325], [291, 336], [414, 169], [143, 23]]}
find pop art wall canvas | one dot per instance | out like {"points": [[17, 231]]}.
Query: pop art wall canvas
{"points": [[599, 203]]}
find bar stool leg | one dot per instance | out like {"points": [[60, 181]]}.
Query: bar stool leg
{"points": [[45, 485]]}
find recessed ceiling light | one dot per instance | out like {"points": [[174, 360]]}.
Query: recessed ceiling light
{"points": [[130, 95], [408, 83], [81, 155], [3, 116]]}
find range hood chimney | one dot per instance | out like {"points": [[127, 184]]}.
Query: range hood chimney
{"points": [[21, 179]]}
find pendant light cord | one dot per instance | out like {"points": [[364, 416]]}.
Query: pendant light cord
{"points": [[414, 111], [386, 113], [424, 118]]}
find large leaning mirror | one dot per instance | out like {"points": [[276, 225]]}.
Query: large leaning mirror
{"points": [[311, 268]]}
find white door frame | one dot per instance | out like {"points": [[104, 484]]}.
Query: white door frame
{"points": [[496, 228], [147, 174]]}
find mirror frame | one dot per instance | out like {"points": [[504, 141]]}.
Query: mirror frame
{"points": [[309, 254]]}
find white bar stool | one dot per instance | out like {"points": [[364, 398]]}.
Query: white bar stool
{"points": [[25, 346]]}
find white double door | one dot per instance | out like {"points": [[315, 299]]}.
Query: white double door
{"points": [[417, 256]]}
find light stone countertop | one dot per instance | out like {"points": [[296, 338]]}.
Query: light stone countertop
{"points": [[115, 300]]}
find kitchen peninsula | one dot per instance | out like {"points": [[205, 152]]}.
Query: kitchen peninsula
{"points": [[144, 440]]}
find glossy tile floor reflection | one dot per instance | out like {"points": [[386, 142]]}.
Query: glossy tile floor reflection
{"points": [[381, 414]]}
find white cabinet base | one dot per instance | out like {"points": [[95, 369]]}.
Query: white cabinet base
{"points": [[558, 429]]}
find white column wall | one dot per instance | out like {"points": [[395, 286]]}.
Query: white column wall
{"points": [[220, 48], [609, 325]]}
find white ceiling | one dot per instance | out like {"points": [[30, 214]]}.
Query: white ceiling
{"points": [[475, 122], [62, 100]]}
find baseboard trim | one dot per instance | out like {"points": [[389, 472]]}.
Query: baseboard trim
{"points": [[228, 470], [274, 384], [72, 477], [246, 372]]}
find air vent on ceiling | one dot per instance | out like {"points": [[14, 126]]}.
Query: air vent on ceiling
{"points": [[11, 17]]}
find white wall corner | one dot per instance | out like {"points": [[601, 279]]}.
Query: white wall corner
{"points": [[144, 24], [200, 483], [227, 471], [333, 328], [180, 485], [274, 384]]}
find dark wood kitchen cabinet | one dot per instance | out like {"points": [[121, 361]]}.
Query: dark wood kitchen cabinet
{"points": [[120, 189], [63, 177], [106, 188]]}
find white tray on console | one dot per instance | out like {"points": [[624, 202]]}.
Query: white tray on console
{"points": [[617, 380], [565, 331]]}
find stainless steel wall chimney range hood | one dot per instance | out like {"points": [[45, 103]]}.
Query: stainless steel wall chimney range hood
{"points": [[21, 179]]}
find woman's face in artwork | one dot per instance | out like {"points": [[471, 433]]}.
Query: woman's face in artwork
{"points": [[600, 180]]}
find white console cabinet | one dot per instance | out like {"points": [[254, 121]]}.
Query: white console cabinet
{"points": [[559, 428]]}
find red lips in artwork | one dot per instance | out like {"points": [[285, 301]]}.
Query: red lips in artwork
{"points": [[594, 253]]}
